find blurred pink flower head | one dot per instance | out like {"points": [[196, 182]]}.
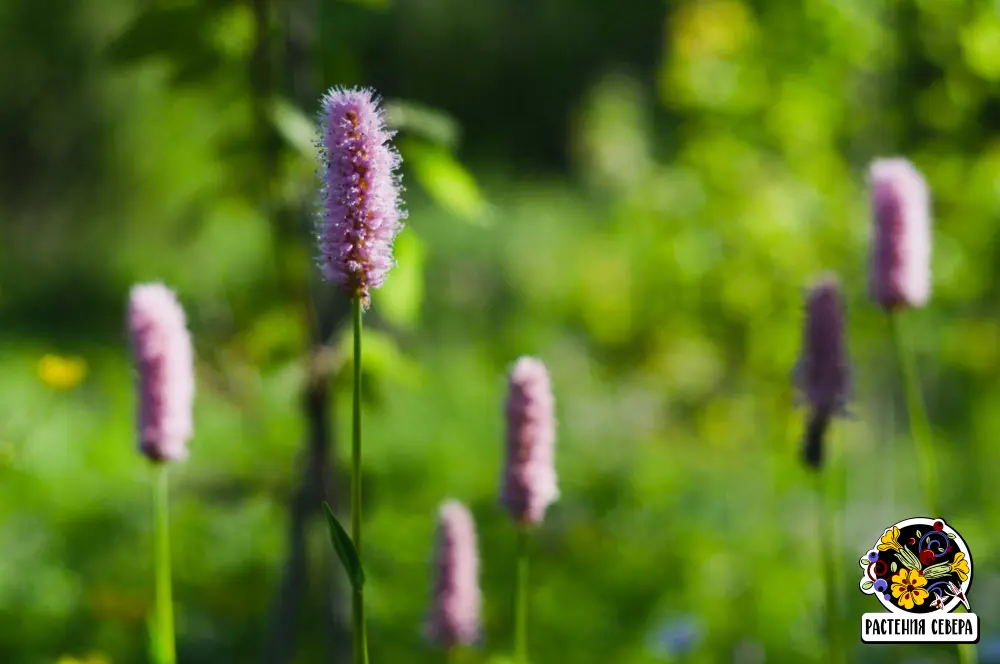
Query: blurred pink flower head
{"points": [[529, 480], [361, 213], [823, 373], [901, 235], [164, 363], [455, 612]]}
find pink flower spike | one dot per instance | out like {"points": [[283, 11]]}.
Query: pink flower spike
{"points": [[164, 364], [823, 373], [529, 479], [455, 612], [901, 235], [361, 213]]}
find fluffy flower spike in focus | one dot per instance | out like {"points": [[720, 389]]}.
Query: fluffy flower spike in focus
{"points": [[822, 373], [361, 213], [164, 363], [455, 612], [901, 235], [529, 481]]}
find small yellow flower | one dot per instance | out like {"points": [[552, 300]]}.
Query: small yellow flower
{"points": [[960, 566], [61, 373], [908, 588], [889, 540]]}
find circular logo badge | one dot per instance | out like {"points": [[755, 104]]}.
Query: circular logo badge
{"points": [[918, 566]]}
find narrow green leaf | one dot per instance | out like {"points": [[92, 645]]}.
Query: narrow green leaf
{"points": [[893, 566], [419, 120], [345, 550], [446, 181], [864, 562], [295, 127], [951, 535], [918, 533], [867, 585]]}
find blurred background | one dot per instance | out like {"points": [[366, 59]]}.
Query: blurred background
{"points": [[637, 193]]}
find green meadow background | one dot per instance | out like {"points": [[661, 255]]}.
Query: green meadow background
{"points": [[637, 192]]}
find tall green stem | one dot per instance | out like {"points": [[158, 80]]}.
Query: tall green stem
{"points": [[521, 609], [827, 542], [358, 598], [163, 638], [919, 423], [921, 431]]}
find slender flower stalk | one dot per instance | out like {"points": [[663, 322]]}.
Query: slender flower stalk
{"points": [[163, 642], [361, 216], [358, 597], [823, 378], [529, 478], [164, 363], [454, 618], [920, 427], [828, 543], [521, 608]]}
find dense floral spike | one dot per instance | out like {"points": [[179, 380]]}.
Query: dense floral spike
{"points": [[455, 612], [901, 235], [164, 362], [822, 373], [529, 482], [361, 213]]}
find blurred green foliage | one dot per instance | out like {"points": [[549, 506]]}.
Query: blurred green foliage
{"points": [[638, 195]]}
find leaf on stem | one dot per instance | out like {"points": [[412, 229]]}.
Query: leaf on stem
{"points": [[345, 550], [446, 181]]}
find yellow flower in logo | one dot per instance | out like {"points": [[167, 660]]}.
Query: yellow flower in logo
{"points": [[960, 566], [890, 540], [908, 588]]}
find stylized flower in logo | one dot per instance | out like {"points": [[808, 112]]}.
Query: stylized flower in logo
{"points": [[889, 541], [960, 566], [918, 566], [908, 588]]}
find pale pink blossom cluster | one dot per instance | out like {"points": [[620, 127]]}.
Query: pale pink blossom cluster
{"points": [[529, 478], [900, 268], [164, 364], [455, 611]]}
